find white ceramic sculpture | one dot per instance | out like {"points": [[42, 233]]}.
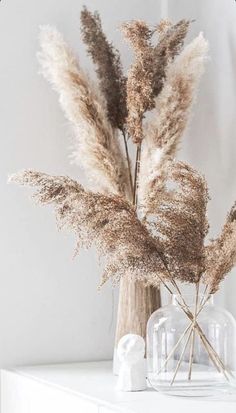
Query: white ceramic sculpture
{"points": [[132, 373]]}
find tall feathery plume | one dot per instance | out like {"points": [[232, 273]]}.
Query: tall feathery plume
{"points": [[180, 223], [107, 222], [169, 120], [140, 77], [171, 40], [221, 253], [108, 67], [96, 148], [146, 76]]}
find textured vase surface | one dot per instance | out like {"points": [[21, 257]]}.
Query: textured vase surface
{"points": [[136, 304]]}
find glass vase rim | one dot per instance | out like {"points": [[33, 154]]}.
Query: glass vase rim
{"points": [[190, 298]]}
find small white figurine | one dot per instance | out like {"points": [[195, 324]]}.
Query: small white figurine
{"points": [[132, 373]]}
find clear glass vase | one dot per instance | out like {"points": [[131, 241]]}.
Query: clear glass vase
{"points": [[188, 359]]}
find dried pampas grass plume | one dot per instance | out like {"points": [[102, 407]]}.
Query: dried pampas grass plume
{"points": [[96, 148], [146, 76], [109, 223], [180, 223], [169, 119], [171, 40], [140, 76], [221, 253], [172, 106], [108, 67]]}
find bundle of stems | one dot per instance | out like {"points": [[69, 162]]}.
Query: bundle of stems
{"points": [[148, 221], [189, 334]]}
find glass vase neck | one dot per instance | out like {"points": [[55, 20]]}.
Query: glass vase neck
{"points": [[190, 299]]}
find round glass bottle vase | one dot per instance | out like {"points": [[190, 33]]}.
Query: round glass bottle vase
{"points": [[190, 356]]}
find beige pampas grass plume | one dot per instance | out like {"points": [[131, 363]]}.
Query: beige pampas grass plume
{"points": [[140, 76], [96, 147], [180, 222], [171, 40], [107, 222], [169, 119], [147, 73], [221, 253]]}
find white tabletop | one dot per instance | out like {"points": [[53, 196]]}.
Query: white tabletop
{"points": [[95, 382]]}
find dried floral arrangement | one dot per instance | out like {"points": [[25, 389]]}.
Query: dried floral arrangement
{"points": [[148, 220]]}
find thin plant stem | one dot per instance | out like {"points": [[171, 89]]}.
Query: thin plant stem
{"points": [[215, 359], [202, 304], [180, 294], [202, 335], [182, 355], [128, 161], [210, 350], [207, 346], [189, 314], [212, 353], [193, 333], [178, 343], [175, 347], [204, 292], [206, 343], [136, 174]]}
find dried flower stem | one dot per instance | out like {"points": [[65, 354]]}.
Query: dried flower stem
{"points": [[204, 300], [182, 354], [180, 340], [210, 350], [193, 333], [208, 344], [128, 161], [136, 174], [204, 294], [174, 348], [212, 354]]}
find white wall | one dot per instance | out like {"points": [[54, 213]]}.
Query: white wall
{"points": [[49, 307]]}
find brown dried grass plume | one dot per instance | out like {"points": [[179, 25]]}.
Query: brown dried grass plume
{"points": [[171, 40], [180, 222], [169, 119], [107, 222], [221, 253], [139, 82], [108, 67]]}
